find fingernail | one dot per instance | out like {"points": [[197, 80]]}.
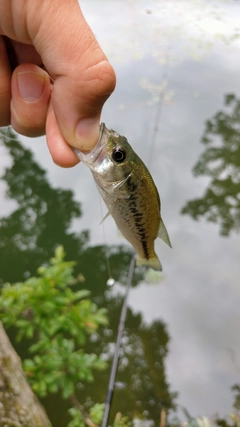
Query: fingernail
{"points": [[87, 133], [30, 85]]}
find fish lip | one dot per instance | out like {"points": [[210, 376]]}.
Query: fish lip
{"points": [[90, 157]]}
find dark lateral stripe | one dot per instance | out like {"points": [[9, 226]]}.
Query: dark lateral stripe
{"points": [[137, 216], [145, 248]]}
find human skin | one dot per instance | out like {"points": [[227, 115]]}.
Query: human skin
{"points": [[54, 76]]}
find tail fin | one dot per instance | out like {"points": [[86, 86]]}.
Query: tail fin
{"points": [[151, 263]]}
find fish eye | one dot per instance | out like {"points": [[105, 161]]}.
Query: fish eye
{"points": [[118, 155]]}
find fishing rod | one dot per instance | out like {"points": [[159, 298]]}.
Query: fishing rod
{"points": [[118, 345]]}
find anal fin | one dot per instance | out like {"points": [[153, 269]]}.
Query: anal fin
{"points": [[163, 234]]}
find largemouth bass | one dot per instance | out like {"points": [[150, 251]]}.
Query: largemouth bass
{"points": [[129, 193]]}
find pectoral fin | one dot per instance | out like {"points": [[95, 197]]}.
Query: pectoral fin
{"points": [[105, 217], [163, 234]]}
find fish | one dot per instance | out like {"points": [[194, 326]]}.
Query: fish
{"points": [[129, 193]]}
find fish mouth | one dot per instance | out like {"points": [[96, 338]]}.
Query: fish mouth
{"points": [[90, 157]]}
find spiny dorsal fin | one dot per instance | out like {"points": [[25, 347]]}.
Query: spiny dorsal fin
{"points": [[163, 234]]}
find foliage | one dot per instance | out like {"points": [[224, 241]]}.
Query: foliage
{"points": [[77, 418], [95, 414], [60, 321], [236, 389], [232, 420], [221, 162], [121, 421]]}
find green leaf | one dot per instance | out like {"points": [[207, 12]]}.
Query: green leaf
{"points": [[77, 419], [29, 331], [84, 293], [96, 413], [68, 389]]}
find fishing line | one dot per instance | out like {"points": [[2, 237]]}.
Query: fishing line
{"points": [[110, 281], [156, 122], [118, 344], [158, 115]]}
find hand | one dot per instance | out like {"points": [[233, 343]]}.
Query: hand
{"points": [[60, 79]]}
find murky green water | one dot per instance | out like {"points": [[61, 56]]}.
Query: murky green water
{"points": [[178, 71]]}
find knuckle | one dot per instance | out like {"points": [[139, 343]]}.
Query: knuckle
{"points": [[105, 81], [97, 85]]}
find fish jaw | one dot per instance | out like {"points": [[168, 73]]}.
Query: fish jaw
{"points": [[90, 157]]}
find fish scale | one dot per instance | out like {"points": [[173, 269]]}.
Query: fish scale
{"points": [[129, 193]]}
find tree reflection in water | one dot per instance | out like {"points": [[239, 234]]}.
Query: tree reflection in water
{"points": [[28, 237], [221, 162]]}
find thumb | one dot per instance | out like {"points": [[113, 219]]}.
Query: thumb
{"points": [[83, 77]]}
